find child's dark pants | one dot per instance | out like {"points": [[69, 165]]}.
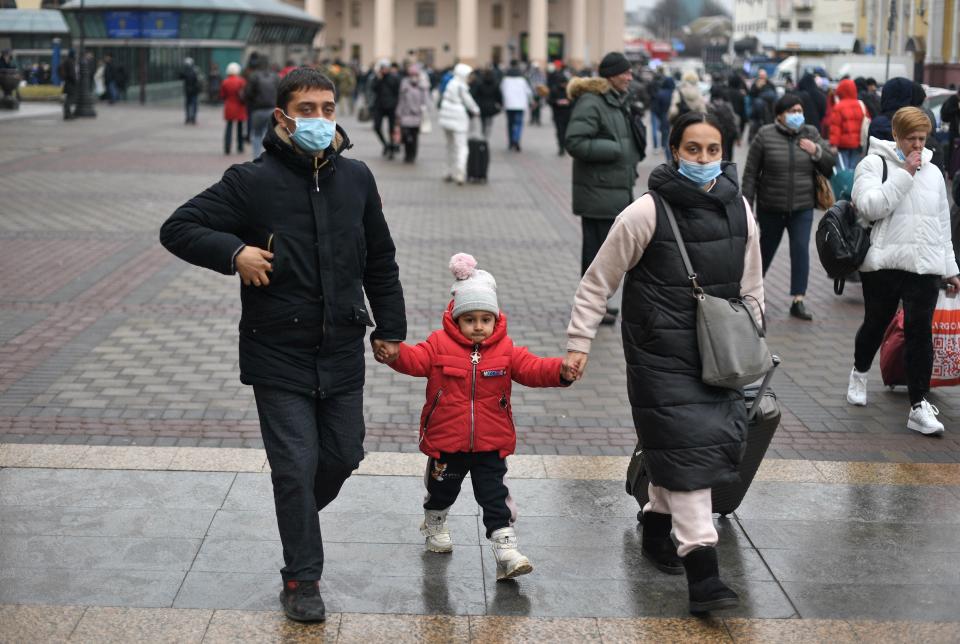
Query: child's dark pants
{"points": [[487, 471]]}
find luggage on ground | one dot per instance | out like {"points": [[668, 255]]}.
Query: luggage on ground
{"points": [[478, 160], [763, 418]]}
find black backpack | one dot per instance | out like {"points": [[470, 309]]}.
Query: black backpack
{"points": [[842, 243]]}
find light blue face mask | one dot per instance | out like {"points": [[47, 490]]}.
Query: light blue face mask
{"points": [[699, 173], [794, 121], [900, 154], [313, 135]]}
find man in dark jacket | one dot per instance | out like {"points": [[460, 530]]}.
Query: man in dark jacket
{"points": [[814, 100], [68, 72], [385, 90], [190, 76], [605, 150], [304, 228], [950, 114], [261, 98], [559, 102]]}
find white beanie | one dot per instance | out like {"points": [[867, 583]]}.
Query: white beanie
{"points": [[474, 290]]}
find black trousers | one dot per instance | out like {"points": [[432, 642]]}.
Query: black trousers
{"points": [[228, 134], [410, 136], [595, 232], [882, 292], [378, 116], [312, 446], [561, 118], [487, 471]]}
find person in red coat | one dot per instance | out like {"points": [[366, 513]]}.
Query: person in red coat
{"points": [[234, 108], [467, 422], [845, 121]]}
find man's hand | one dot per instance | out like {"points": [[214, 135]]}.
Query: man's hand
{"points": [[808, 146], [253, 264], [573, 366], [912, 162], [385, 352]]}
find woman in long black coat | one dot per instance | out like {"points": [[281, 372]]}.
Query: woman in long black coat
{"points": [[692, 434]]}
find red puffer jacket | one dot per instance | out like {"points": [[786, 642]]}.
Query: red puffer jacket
{"points": [[468, 403], [846, 117]]}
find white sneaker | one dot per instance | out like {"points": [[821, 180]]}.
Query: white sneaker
{"points": [[510, 563], [434, 528], [857, 389], [923, 419]]}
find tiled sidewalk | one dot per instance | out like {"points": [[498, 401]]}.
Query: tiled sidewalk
{"points": [[106, 339], [185, 539]]}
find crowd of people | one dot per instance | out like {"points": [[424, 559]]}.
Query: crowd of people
{"points": [[700, 230]]}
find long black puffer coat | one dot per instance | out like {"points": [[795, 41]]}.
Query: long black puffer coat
{"points": [[693, 435], [324, 222]]}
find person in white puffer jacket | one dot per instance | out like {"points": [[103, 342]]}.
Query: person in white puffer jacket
{"points": [[910, 254], [456, 108]]}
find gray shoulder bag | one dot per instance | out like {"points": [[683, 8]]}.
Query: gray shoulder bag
{"points": [[733, 349]]}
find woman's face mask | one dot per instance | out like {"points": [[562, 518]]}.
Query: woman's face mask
{"points": [[699, 173], [312, 135], [794, 120]]}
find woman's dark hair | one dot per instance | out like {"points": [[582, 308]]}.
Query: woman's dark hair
{"points": [[300, 79], [692, 118]]}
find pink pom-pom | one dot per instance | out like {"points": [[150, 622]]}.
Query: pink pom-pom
{"points": [[462, 265]]}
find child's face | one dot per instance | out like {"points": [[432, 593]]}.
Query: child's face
{"points": [[477, 325]]}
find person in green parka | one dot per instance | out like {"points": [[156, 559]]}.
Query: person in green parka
{"points": [[606, 149]]}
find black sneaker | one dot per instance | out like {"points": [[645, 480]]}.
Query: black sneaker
{"points": [[302, 602], [799, 310]]}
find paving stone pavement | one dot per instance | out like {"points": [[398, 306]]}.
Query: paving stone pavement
{"points": [[107, 339]]}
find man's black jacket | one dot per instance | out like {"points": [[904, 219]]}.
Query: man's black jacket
{"points": [[323, 220]]}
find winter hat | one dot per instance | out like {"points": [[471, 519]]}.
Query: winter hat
{"points": [[474, 290], [613, 64], [786, 102]]}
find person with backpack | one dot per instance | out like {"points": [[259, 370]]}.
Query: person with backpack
{"points": [[720, 107], [911, 251], [763, 97], [261, 99], [687, 97], [780, 174]]}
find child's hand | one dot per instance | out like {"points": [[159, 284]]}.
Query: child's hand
{"points": [[573, 366]]}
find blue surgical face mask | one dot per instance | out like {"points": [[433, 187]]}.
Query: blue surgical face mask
{"points": [[699, 173], [312, 135], [794, 121], [901, 155]]}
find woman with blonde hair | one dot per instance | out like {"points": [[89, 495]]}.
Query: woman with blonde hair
{"points": [[904, 197]]}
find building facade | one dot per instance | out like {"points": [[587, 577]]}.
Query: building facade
{"points": [[477, 32], [786, 16], [929, 30]]}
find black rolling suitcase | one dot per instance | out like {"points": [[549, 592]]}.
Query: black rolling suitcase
{"points": [[763, 418], [478, 160]]}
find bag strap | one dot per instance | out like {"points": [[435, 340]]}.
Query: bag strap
{"points": [[691, 274], [884, 178]]}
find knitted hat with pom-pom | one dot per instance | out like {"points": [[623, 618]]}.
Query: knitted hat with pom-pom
{"points": [[474, 290]]}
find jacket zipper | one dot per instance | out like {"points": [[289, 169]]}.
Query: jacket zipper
{"points": [[316, 174], [426, 423], [790, 168], [475, 360]]}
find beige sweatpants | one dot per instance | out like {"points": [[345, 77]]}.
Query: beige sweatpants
{"points": [[692, 514]]}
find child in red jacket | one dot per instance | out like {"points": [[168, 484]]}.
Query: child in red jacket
{"points": [[467, 423]]}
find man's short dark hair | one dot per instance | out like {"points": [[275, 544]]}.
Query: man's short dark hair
{"points": [[300, 79]]}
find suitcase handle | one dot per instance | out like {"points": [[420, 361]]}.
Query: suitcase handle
{"points": [[764, 385]]}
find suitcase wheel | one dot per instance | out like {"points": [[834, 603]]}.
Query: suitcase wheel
{"points": [[640, 517], [891, 387], [724, 515]]}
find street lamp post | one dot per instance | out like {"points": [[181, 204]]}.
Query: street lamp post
{"points": [[891, 25], [84, 95]]}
